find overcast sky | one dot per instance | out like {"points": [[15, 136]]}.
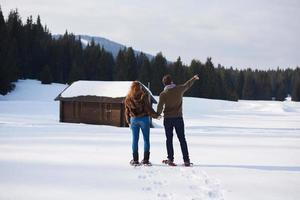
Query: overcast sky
{"points": [[251, 33]]}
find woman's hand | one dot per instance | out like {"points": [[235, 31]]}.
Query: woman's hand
{"points": [[157, 116]]}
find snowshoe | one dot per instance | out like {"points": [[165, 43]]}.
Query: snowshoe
{"points": [[146, 163], [188, 164], [134, 163], [169, 162]]}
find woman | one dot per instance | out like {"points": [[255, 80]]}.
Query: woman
{"points": [[138, 111]]}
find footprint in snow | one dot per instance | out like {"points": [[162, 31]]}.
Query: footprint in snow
{"points": [[164, 196], [143, 177]]}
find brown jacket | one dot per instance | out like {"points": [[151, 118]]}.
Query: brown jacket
{"points": [[170, 100], [138, 106]]}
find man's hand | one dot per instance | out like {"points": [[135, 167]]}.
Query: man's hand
{"points": [[156, 116], [196, 77]]}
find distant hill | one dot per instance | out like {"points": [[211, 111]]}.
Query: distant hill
{"points": [[108, 45]]}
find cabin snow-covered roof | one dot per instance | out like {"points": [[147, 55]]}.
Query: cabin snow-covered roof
{"points": [[107, 89], [112, 89]]}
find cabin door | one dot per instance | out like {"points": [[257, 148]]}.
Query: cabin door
{"points": [[110, 115], [105, 115]]}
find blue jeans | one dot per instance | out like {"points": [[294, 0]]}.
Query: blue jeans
{"points": [[178, 124], [137, 123]]}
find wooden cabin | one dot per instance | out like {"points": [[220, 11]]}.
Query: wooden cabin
{"points": [[95, 102]]}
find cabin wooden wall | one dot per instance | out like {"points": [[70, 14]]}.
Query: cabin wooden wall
{"points": [[92, 113]]}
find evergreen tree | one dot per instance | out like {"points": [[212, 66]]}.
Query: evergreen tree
{"points": [[10, 65], [228, 86], [16, 45], [55, 51], [221, 90], [46, 76], [76, 73], [159, 69], [120, 70], [288, 76], [126, 65], [296, 91], [208, 80], [131, 65], [296, 85], [249, 86], [39, 41], [240, 84], [195, 69], [145, 72], [29, 42], [263, 86], [178, 72], [77, 70], [281, 89], [92, 55], [5, 73], [106, 66]]}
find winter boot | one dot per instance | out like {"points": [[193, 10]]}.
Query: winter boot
{"points": [[187, 163], [135, 160], [145, 161], [169, 162]]}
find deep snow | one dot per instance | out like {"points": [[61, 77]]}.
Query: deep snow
{"points": [[241, 150]]}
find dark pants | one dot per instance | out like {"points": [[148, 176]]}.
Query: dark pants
{"points": [[178, 124]]}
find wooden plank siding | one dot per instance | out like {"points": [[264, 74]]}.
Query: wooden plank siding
{"points": [[92, 113]]}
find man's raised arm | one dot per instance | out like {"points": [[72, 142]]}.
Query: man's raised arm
{"points": [[190, 82]]}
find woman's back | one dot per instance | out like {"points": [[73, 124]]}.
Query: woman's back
{"points": [[136, 105]]}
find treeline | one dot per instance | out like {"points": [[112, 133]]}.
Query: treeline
{"points": [[29, 51]]}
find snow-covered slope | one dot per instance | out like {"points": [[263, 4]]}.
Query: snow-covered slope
{"points": [[241, 150], [108, 45]]}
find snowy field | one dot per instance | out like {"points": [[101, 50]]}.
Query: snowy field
{"points": [[246, 150]]}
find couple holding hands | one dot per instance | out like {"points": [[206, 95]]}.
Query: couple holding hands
{"points": [[138, 111]]}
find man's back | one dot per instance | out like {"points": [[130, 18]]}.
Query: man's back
{"points": [[170, 100]]}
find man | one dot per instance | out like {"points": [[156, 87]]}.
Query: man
{"points": [[170, 103]]}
